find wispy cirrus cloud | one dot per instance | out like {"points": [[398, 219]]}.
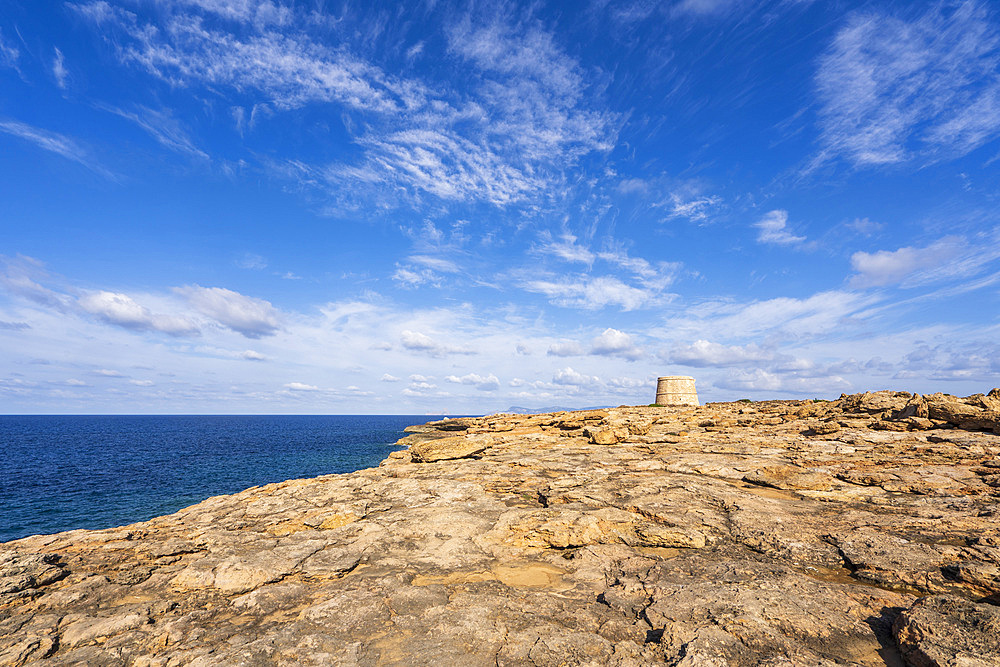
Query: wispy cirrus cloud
{"points": [[59, 71], [593, 293], [893, 89], [498, 141], [9, 54], [161, 126], [54, 143]]}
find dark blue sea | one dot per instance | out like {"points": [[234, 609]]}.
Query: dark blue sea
{"points": [[65, 472]]}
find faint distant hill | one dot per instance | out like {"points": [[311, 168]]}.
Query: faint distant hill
{"points": [[517, 409]]}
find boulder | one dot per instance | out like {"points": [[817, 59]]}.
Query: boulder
{"points": [[874, 402], [454, 447], [949, 630]]}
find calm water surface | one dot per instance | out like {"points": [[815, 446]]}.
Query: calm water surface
{"points": [[64, 472]]}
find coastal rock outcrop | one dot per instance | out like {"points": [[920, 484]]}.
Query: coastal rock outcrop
{"points": [[862, 531]]}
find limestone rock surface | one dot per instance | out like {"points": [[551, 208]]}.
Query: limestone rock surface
{"points": [[863, 531]]}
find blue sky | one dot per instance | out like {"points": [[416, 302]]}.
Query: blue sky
{"points": [[267, 206]]}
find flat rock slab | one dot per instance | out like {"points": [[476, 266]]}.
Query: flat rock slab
{"points": [[851, 532]]}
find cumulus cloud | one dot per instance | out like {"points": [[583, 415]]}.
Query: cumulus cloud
{"points": [[488, 383], [569, 377], [615, 343], [565, 349], [300, 386], [947, 258], [419, 342], [123, 311], [251, 355], [252, 317], [773, 229], [388, 378], [893, 90]]}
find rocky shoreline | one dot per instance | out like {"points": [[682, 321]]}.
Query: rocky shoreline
{"points": [[863, 531]]}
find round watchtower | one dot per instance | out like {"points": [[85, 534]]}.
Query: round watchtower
{"points": [[676, 390]]}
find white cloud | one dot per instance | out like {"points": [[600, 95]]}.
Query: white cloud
{"points": [[505, 137], [436, 263], [252, 317], [703, 7], [122, 310], [773, 229], [761, 380], [388, 378], [300, 386], [694, 208], [54, 143], [565, 349], [161, 126], [565, 248], [251, 261], [615, 343], [703, 353], [73, 382], [108, 373], [141, 383], [594, 293], [251, 355], [418, 342], [865, 227], [568, 376], [20, 276], [9, 54], [59, 69], [783, 316], [488, 383], [947, 258], [892, 90]]}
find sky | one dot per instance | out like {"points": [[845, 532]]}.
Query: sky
{"points": [[270, 206]]}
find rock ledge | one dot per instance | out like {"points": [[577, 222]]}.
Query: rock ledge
{"points": [[862, 531]]}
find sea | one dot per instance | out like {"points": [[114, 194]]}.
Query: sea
{"points": [[65, 472]]}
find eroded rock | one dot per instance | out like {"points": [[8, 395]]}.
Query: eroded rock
{"points": [[772, 532]]}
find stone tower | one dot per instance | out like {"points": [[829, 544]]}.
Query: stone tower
{"points": [[676, 390]]}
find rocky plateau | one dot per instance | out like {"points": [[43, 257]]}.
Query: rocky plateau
{"points": [[861, 531]]}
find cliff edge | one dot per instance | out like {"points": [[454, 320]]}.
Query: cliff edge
{"points": [[863, 531]]}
